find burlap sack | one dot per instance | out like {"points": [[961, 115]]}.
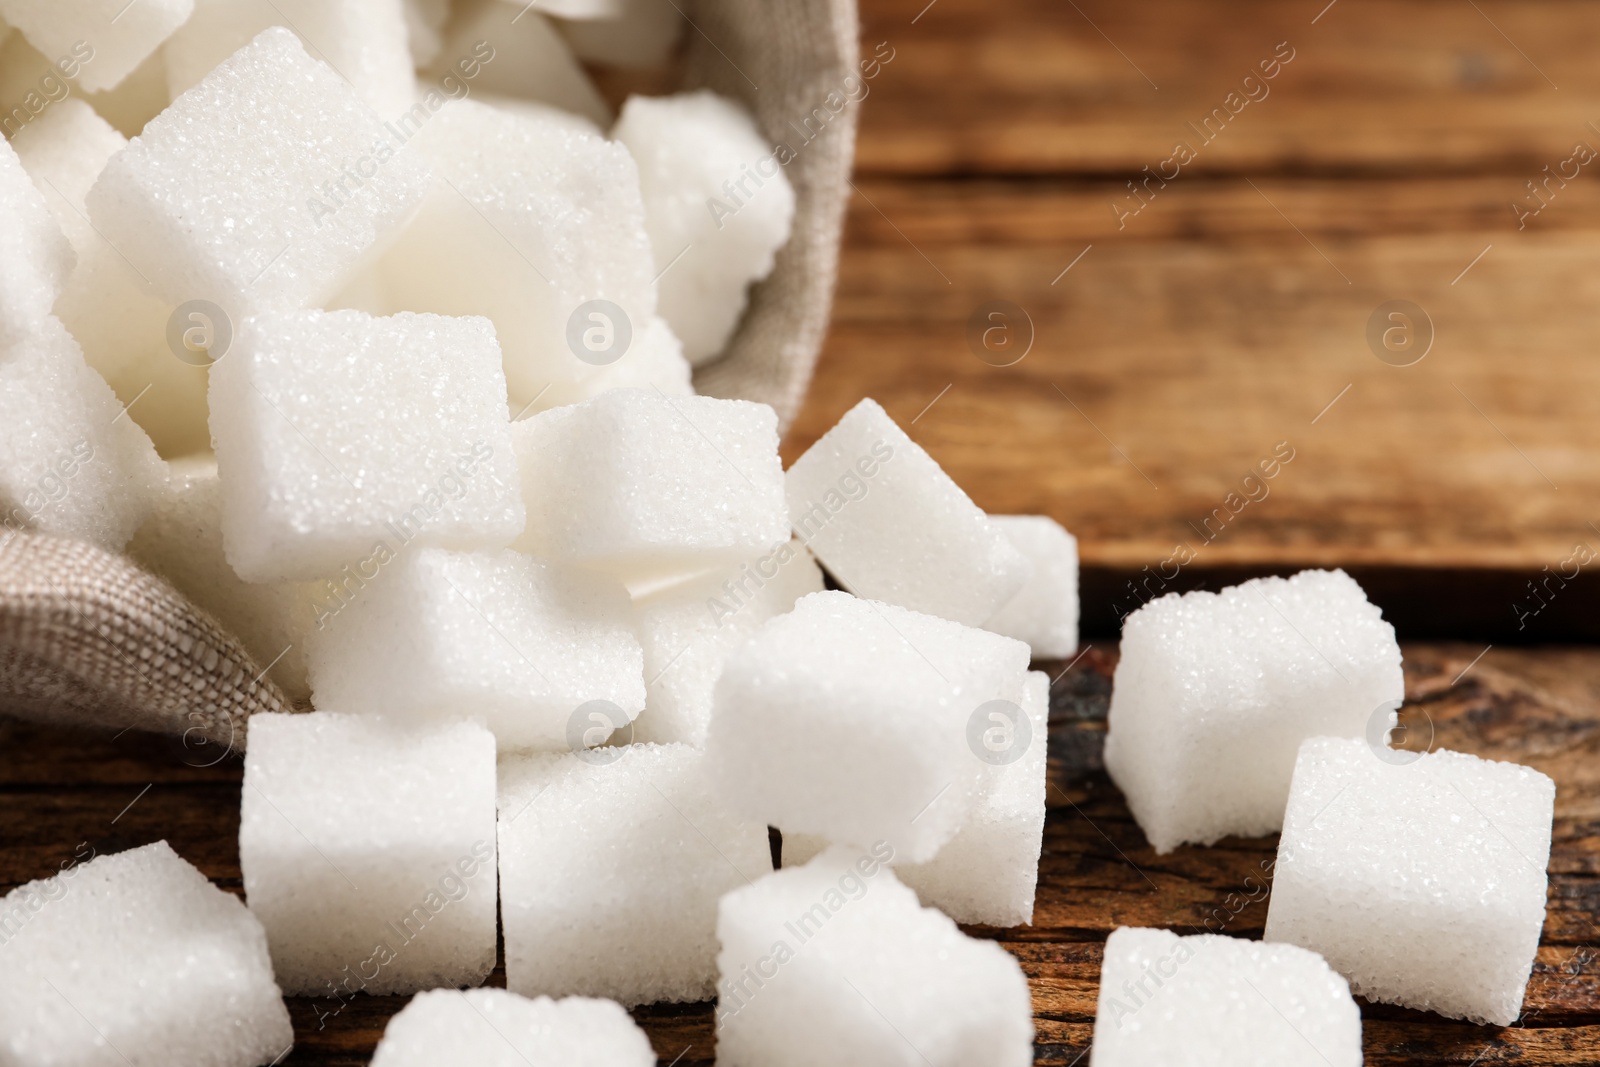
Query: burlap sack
{"points": [[88, 638]]}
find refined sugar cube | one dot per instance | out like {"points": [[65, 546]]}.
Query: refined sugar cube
{"points": [[688, 631], [643, 34], [518, 643], [264, 186], [368, 852], [835, 962], [611, 863], [1213, 1001], [1421, 877], [634, 482], [71, 462], [336, 430], [854, 720], [495, 1028], [653, 362], [63, 150], [1215, 692], [530, 61], [1044, 613], [135, 958], [988, 872], [890, 525], [364, 41], [538, 226], [119, 34], [35, 257], [717, 206]]}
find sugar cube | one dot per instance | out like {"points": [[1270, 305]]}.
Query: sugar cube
{"points": [[1044, 613], [519, 643], [635, 482], [890, 525], [611, 863], [576, 9], [688, 631], [538, 225], [835, 962], [653, 362], [35, 256], [336, 431], [643, 34], [118, 35], [1214, 693], [425, 21], [1421, 877], [71, 462], [368, 852], [530, 58], [364, 41], [717, 206], [989, 870], [135, 958], [264, 186], [1211, 1001], [496, 1028], [855, 720]]}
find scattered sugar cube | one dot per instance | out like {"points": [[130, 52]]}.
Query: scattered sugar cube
{"points": [[611, 863], [835, 962], [518, 643], [119, 35], [71, 462], [35, 256], [855, 720], [1421, 877], [643, 34], [635, 482], [368, 852], [263, 186], [1211, 1001], [1044, 613], [717, 206], [688, 631], [531, 60], [336, 431], [495, 1028], [989, 871], [364, 41], [890, 525], [135, 958], [531, 222], [1215, 692]]}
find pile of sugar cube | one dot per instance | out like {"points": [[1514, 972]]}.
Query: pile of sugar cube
{"points": [[368, 326]]}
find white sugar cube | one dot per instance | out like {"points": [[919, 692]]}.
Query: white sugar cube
{"points": [[717, 205], [611, 863], [1421, 877], [35, 256], [635, 482], [835, 962], [537, 225], [575, 9], [1044, 613], [643, 34], [368, 852], [517, 643], [1215, 691], [989, 871], [336, 431], [890, 525], [861, 722], [530, 58], [495, 1028], [119, 34], [364, 41], [71, 462], [653, 362], [688, 631], [1212, 1001], [263, 186], [135, 958]]}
